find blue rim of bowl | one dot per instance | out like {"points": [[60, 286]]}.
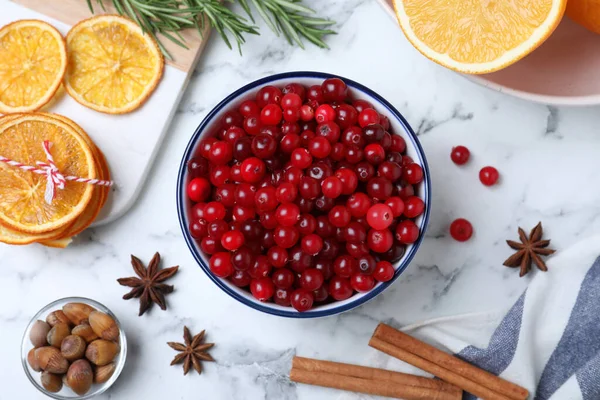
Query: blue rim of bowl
{"points": [[407, 258]]}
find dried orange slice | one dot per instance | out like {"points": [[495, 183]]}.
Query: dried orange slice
{"points": [[22, 204], [475, 36], [113, 66], [33, 61]]}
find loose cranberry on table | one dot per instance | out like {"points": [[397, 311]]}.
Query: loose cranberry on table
{"points": [[305, 196], [489, 176], [460, 155], [461, 230]]}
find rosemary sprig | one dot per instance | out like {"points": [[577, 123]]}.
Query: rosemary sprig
{"points": [[169, 17]]}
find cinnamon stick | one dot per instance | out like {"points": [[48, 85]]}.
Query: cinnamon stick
{"points": [[459, 367], [376, 374], [368, 386]]}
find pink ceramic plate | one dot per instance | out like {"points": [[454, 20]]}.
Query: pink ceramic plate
{"points": [[565, 70]]}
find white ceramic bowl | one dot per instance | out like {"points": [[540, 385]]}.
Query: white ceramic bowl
{"points": [[357, 91]]}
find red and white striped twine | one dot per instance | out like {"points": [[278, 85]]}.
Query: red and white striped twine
{"points": [[55, 179]]}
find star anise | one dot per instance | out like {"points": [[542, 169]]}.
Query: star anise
{"points": [[529, 250], [149, 287], [192, 352]]}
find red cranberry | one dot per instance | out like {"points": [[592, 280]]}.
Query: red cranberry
{"points": [[265, 199], [330, 131], [289, 143], [319, 147], [263, 146], [366, 264], [197, 167], [232, 240], [240, 278], [489, 176], [460, 155], [384, 271], [210, 245], [286, 236], [368, 117], [319, 171], [245, 194], [307, 113], [214, 211], [321, 294], [220, 264], [306, 224], [355, 233], [252, 125], [312, 244], [311, 279], [324, 113], [231, 118], [334, 89], [413, 173], [225, 194], [253, 170], [346, 116], [361, 105], [295, 88], [340, 288], [283, 297], [348, 179], [324, 228], [407, 232], [357, 249], [293, 175], [268, 95], [380, 241], [221, 153], [305, 137], [286, 193], [380, 216], [261, 267], [325, 266], [398, 144], [262, 288], [199, 228], [332, 187], [362, 282], [198, 189], [242, 148], [299, 260], [331, 249], [358, 204], [220, 175], [394, 254], [268, 239], [374, 133], [413, 207], [345, 266], [249, 108], [354, 154], [379, 188], [205, 145], [305, 205], [338, 152], [390, 170], [302, 300], [315, 93], [283, 278], [301, 158], [309, 188], [396, 204], [271, 115], [217, 228], [242, 258], [241, 214], [339, 216], [461, 230], [364, 171], [374, 153], [287, 214]]}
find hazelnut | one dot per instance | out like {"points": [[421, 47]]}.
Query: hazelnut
{"points": [[77, 313], [50, 360], [103, 374], [38, 333], [33, 363], [57, 334], [56, 317], [101, 352], [80, 377], [51, 382], [104, 326], [86, 332], [73, 347]]}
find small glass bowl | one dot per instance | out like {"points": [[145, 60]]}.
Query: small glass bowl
{"points": [[66, 393]]}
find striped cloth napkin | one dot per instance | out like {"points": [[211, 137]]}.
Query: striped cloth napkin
{"points": [[548, 342]]}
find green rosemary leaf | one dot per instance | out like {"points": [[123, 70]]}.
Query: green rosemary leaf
{"points": [[260, 6], [294, 6]]}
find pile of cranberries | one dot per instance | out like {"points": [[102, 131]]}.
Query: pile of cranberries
{"points": [[304, 195]]}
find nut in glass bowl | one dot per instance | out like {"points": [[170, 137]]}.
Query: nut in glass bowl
{"points": [[73, 348]]}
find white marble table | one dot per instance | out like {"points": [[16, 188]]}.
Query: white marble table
{"points": [[548, 158]]}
